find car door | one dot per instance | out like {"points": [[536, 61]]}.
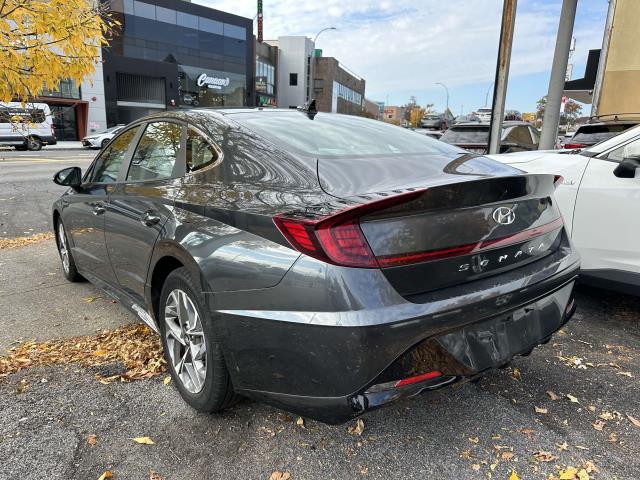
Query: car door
{"points": [[83, 214], [606, 224], [142, 201]]}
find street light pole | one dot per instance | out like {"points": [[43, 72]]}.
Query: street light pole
{"points": [[486, 96], [446, 90], [318, 34]]}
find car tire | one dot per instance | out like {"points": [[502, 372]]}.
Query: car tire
{"points": [[34, 144], [66, 257], [20, 148], [103, 143], [204, 382]]}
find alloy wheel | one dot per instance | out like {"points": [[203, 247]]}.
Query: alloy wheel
{"points": [[186, 344], [62, 246]]}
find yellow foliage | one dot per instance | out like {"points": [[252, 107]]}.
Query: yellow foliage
{"points": [[46, 41]]}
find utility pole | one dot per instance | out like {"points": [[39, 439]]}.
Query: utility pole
{"points": [[551, 118], [502, 74]]}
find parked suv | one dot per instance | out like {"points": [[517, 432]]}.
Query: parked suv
{"points": [[592, 133]]}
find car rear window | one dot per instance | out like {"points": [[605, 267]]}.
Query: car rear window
{"points": [[339, 135], [466, 135], [597, 133]]}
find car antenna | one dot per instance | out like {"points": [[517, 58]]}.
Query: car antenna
{"points": [[309, 108]]}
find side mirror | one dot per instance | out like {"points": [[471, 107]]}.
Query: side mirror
{"points": [[69, 177], [627, 168]]}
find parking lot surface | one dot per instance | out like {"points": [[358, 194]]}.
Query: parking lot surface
{"points": [[570, 405]]}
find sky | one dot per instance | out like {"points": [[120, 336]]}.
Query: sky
{"points": [[402, 47]]}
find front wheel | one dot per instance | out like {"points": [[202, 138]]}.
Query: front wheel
{"points": [[191, 347], [104, 143], [68, 264]]}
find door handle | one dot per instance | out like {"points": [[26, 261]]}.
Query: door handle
{"points": [[98, 208], [149, 219]]}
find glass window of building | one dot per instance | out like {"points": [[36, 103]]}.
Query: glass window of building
{"points": [[166, 15], [187, 20], [145, 10], [293, 79], [211, 26]]}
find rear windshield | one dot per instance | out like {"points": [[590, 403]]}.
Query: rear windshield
{"points": [[466, 135], [597, 133], [330, 135]]}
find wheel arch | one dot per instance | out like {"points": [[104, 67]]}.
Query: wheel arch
{"points": [[167, 257]]}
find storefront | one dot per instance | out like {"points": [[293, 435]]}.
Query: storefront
{"points": [[174, 54], [68, 111], [265, 75]]}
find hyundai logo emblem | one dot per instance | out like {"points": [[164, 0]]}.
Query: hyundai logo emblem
{"points": [[504, 215]]}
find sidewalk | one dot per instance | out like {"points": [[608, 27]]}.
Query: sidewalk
{"points": [[64, 145]]}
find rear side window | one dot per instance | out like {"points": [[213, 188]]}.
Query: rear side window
{"points": [[108, 164], [156, 154], [596, 133], [519, 135], [199, 152]]}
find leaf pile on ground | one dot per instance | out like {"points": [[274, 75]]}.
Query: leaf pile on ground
{"points": [[135, 346], [6, 243]]}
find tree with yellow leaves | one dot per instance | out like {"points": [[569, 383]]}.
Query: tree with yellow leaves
{"points": [[45, 41]]}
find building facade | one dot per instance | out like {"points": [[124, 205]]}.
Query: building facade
{"points": [[266, 75], [393, 115], [174, 54], [336, 89], [295, 64]]}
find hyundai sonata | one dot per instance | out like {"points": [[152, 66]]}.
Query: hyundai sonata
{"points": [[322, 263]]}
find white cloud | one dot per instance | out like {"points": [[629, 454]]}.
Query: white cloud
{"points": [[407, 45]]}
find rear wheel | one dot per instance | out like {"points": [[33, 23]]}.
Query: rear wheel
{"points": [[68, 264], [34, 143], [191, 347]]}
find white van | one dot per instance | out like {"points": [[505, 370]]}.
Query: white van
{"points": [[27, 127]]}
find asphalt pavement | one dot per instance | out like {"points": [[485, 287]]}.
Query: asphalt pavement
{"points": [[571, 404], [27, 189]]}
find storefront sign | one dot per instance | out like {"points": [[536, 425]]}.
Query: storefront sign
{"points": [[212, 82]]}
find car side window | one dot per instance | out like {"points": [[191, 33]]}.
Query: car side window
{"points": [[199, 152], [618, 154], [108, 164], [156, 154]]}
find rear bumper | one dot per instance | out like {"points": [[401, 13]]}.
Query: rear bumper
{"points": [[322, 364]]}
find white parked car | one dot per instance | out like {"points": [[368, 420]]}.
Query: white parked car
{"points": [[100, 139], [600, 201]]}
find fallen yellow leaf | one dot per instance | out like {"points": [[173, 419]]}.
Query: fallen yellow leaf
{"points": [[105, 475], [515, 373], [143, 440], [280, 476], [514, 475], [572, 398], [99, 353], [583, 475], [166, 380], [568, 474], [542, 456], [300, 422], [552, 395], [598, 425], [633, 420], [92, 439], [357, 429], [540, 410]]}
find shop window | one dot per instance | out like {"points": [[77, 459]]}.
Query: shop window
{"points": [[293, 79]]}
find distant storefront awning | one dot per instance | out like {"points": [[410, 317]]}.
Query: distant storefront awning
{"points": [[581, 89]]}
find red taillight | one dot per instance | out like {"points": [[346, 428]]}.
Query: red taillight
{"points": [[574, 145], [337, 237], [418, 378]]}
